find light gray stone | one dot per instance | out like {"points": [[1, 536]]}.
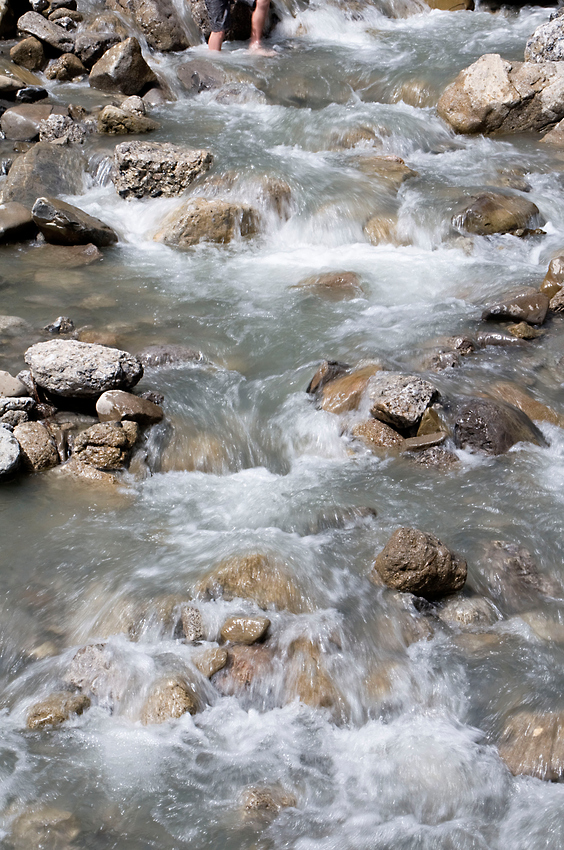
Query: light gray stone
{"points": [[157, 168], [61, 127], [546, 43], [11, 387], [45, 170], [32, 23], [122, 68], [91, 46], [399, 400], [64, 224], [10, 453]]}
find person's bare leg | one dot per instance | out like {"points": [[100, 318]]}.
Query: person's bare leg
{"points": [[257, 27], [216, 40]]}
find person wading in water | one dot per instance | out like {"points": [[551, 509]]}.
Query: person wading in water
{"points": [[218, 12]]}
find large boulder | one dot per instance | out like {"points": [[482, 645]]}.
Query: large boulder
{"points": [[201, 220], [122, 68], [523, 306], [64, 224], [493, 427], [400, 400], [158, 20], [494, 95], [81, 369], [157, 168], [29, 53], [413, 561], [45, 170], [532, 743], [32, 23], [547, 42], [91, 46], [39, 450], [117, 122], [10, 454], [495, 212], [22, 123], [16, 223]]}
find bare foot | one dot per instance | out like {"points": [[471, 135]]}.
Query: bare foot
{"points": [[261, 51]]}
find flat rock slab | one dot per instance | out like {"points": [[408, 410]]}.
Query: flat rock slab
{"points": [[530, 306], [32, 23], [494, 212], [16, 223], [65, 224], [10, 453], [81, 369], [122, 68], [152, 169], [493, 427], [399, 400], [22, 123], [45, 169]]}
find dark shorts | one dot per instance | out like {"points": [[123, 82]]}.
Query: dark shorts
{"points": [[218, 13]]}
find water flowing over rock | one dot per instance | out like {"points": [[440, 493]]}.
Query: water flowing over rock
{"points": [[44, 826], [157, 168], [513, 578], [345, 392], [334, 285], [122, 68], [64, 224], [533, 744], [528, 306], [201, 220], [169, 698], [265, 801], [494, 212], [155, 356], [81, 369], [210, 661], [44, 170], [56, 709], [159, 22], [246, 630], [493, 427], [416, 562]]}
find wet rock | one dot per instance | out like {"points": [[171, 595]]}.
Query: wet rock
{"points": [[423, 442], [106, 446], [158, 21], [57, 708], [44, 827], [532, 743], [64, 256], [11, 387], [265, 800], [39, 450], [468, 612], [32, 23], [116, 405], [413, 561], [81, 369], [86, 472], [513, 577], [200, 74], [157, 168], [7, 19], [345, 393], [44, 170], [431, 423], [493, 212], [544, 627], [246, 630], [63, 15], [557, 302], [96, 671], [64, 224], [277, 194], [382, 228], [493, 95], [258, 577], [134, 105], [245, 664], [154, 356], [522, 330], [377, 435], [451, 5], [554, 278], [91, 46], [117, 122], [523, 306], [391, 169], [328, 371], [169, 698], [493, 427], [63, 129], [333, 285], [536, 410], [16, 403], [61, 325], [122, 68], [8, 87], [67, 67], [555, 136], [210, 661], [192, 623], [30, 94], [308, 680], [400, 400], [485, 338], [546, 43], [16, 223], [22, 123], [200, 220], [10, 454]]}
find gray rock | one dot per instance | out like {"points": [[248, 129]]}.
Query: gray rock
{"points": [[154, 356], [64, 224], [485, 338], [16, 403], [493, 427], [61, 127], [157, 168], [32, 23], [29, 54], [96, 671], [117, 122], [11, 387], [557, 302], [122, 68], [201, 74], [45, 170], [81, 369], [465, 612], [22, 123], [134, 105], [201, 220], [91, 46], [117, 405], [8, 86], [158, 20], [546, 43], [530, 306], [513, 578], [494, 212], [66, 67], [65, 256], [415, 562], [16, 223], [399, 400], [10, 453]]}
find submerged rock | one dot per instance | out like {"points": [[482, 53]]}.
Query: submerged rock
{"points": [[513, 577], [44, 827], [493, 427], [246, 630], [55, 709], [513, 394], [523, 306], [39, 450], [95, 670], [152, 169], [308, 680], [45, 169], [64, 224], [201, 74], [532, 743], [468, 612], [334, 285], [122, 68], [81, 369], [265, 800], [201, 220], [169, 698], [400, 400], [245, 664], [494, 212], [413, 561]]}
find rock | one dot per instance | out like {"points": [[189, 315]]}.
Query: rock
{"points": [[376, 435], [30, 94], [544, 627], [11, 387], [328, 371], [423, 442], [29, 54], [210, 661], [493, 95], [245, 664], [536, 410], [192, 623], [106, 446], [308, 680], [39, 450], [8, 87], [44, 827], [258, 577], [10, 454], [63, 224], [277, 194], [431, 423], [555, 136], [524, 306], [157, 168], [200, 74], [7, 20], [265, 800], [246, 630], [86, 472], [382, 228], [485, 338], [522, 330], [63, 129], [557, 302], [64, 256], [44, 170], [546, 43], [467, 612], [81, 369], [66, 67], [57, 708], [169, 698], [116, 405], [32, 23], [554, 278], [154, 356], [493, 212], [493, 427], [333, 285], [134, 105], [532, 743], [61, 325], [91, 46], [22, 123], [400, 400], [391, 169], [16, 223], [117, 122], [201, 220], [63, 15], [158, 20], [96, 671], [16, 403], [513, 577], [345, 393], [413, 561], [122, 68], [451, 5]]}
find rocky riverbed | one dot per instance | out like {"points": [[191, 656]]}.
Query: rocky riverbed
{"points": [[281, 412]]}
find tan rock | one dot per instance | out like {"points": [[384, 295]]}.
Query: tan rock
{"points": [[451, 5], [345, 393], [169, 698], [106, 446], [533, 744], [377, 435], [423, 442], [29, 54], [210, 661], [494, 212], [55, 709], [391, 169], [65, 68], [277, 194], [431, 423], [382, 228], [245, 665], [467, 611], [201, 220], [522, 330], [265, 800], [117, 405], [536, 410], [544, 627], [246, 630], [328, 371], [554, 278], [308, 680], [44, 827], [39, 450], [526, 305], [115, 121], [333, 285], [192, 623]]}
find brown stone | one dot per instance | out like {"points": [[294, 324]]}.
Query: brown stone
{"points": [[554, 278], [276, 194], [246, 630], [382, 228], [210, 661], [106, 446], [29, 54], [67, 67], [451, 5], [536, 410], [118, 122], [494, 212], [55, 709], [308, 680], [392, 169], [117, 405], [245, 664], [65, 224], [345, 393], [32, 23], [333, 285], [377, 435], [201, 220], [532, 743], [16, 223], [523, 306], [39, 450], [431, 423], [64, 256], [192, 623], [423, 441], [493, 427], [328, 371], [522, 330], [168, 699], [265, 800], [22, 123]]}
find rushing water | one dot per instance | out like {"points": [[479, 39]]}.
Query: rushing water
{"points": [[246, 463]]}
